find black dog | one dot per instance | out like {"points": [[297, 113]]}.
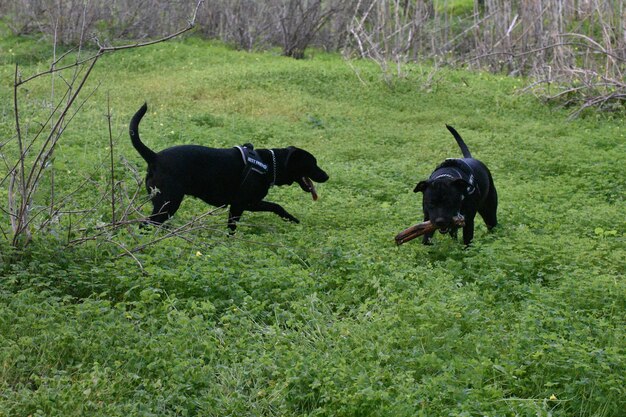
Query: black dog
{"points": [[239, 177], [459, 186]]}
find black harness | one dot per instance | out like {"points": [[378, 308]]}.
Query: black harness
{"points": [[454, 168], [254, 165]]}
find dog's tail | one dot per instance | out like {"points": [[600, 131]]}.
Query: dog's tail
{"points": [[146, 153], [462, 145]]}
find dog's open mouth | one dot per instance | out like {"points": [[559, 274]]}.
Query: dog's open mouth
{"points": [[457, 221], [309, 187]]}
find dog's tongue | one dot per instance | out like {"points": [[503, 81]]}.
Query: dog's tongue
{"points": [[312, 190]]}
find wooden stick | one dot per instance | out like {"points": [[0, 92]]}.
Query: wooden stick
{"points": [[422, 228]]}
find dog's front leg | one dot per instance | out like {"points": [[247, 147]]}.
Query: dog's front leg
{"points": [[468, 229], [164, 206], [234, 214], [427, 239], [272, 207]]}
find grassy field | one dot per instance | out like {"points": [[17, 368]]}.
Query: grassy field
{"points": [[327, 317]]}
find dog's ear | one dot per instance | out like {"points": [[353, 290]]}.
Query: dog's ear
{"points": [[298, 159], [290, 152], [291, 160], [421, 187]]}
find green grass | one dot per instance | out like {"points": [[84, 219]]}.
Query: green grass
{"points": [[327, 317], [455, 7]]}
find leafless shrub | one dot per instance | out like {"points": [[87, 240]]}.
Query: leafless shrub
{"points": [[555, 42], [594, 73], [256, 24], [577, 47], [72, 21], [35, 147], [300, 20], [388, 32], [247, 24]]}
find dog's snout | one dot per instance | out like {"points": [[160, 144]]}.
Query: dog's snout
{"points": [[320, 176], [440, 222]]}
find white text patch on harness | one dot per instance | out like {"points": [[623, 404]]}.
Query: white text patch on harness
{"points": [[257, 163]]}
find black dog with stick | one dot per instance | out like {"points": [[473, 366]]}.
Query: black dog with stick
{"points": [[459, 187]]}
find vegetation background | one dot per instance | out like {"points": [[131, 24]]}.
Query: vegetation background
{"points": [[327, 317]]}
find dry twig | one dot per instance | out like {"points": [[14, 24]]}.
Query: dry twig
{"points": [[24, 177]]}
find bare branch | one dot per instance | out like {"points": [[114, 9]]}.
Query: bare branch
{"points": [[112, 171], [23, 179]]}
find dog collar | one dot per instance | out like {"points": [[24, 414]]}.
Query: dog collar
{"points": [[454, 168], [273, 167], [444, 176]]}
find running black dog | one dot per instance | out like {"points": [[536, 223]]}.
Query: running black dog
{"points": [[459, 186], [239, 177]]}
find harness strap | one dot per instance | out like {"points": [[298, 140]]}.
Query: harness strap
{"points": [[464, 172], [243, 153], [253, 163]]}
